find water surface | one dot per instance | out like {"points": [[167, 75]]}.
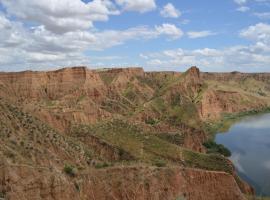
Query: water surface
{"points": [[249, 142]]}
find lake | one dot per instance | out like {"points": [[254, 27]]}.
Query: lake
{"points": [[249, 142]]}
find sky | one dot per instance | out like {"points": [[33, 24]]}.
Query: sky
{"points": [[158, 35]]}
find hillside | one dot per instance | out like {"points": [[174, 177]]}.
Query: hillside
{"points": [[77, 133]]}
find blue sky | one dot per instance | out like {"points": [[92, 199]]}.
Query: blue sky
{"points": [[225, 35]]}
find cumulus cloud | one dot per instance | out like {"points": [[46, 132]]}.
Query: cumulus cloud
{"points": [[170, 30], [259, 32], [62, 15], [200, 34], [24, 47], [137, 5], [111, 38], [170, 11]]}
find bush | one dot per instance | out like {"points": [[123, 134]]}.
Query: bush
{"points": [[2, 195], [69, 170], [101, 165], [151, 121], [213, 147], [160, 163]]}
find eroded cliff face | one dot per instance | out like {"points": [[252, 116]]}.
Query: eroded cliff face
{"points": [[21, 182], [216, 102], [161, 116]]}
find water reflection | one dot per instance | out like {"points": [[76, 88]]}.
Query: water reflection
{"points": [[249, 142]]}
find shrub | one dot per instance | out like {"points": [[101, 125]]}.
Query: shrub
{"points": [[151, 121], [2, 195], [101, 165], [77, 186], [160, 163], [69, 170], [213, 147]]}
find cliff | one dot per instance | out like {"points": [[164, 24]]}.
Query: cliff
{"points": [[22, 182]]}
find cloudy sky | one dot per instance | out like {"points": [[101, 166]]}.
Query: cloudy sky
{"points": [[215, 35]]}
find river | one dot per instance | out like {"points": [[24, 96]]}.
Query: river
{"points": [[249, 142]]}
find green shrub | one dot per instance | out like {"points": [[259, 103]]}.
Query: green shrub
{"points": [[2, 195], [69, 170], [213, 147], [160, 163], [151, 121], [101, 165]]}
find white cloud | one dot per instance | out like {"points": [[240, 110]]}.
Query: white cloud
{"points": [[243, 9], [62, 15], [170, 30], [155, 62], [137, 5], [200, 34], [170, 11], [259, 32], [242, 58], [21, 47], [263, 15], [253, 57], [143, 56], [109, 38], [240, 2]]}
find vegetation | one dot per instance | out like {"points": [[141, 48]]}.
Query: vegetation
{"points": [[2, 195], [213, 147], [106, 77], [151, 121], [227, 120], [101, 165], [69, 170], [160, 163], [212, 162], [181, 198], [174, 138]]}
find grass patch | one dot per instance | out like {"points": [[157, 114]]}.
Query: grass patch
{"points": [[133, 140], [213, 162], [174, 138], [107, 77]]}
